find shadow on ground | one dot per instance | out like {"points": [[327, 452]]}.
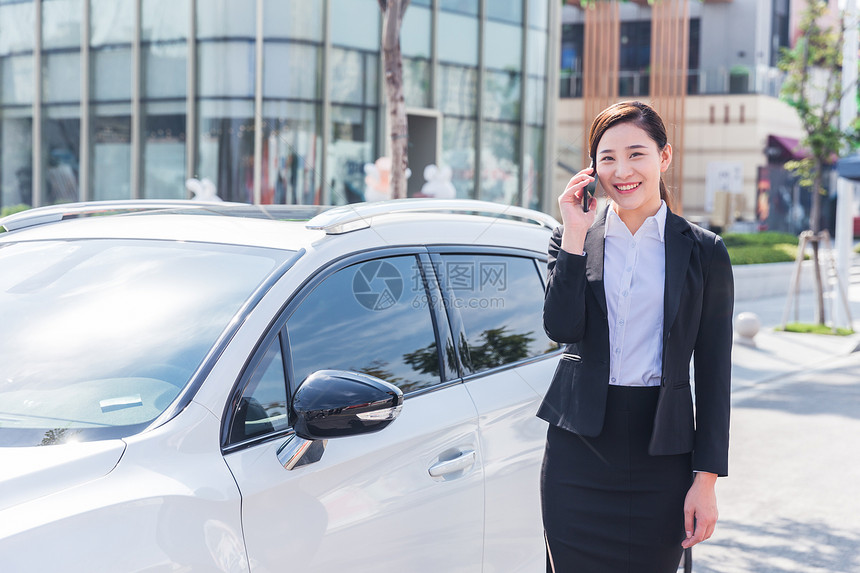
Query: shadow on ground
{"points": [[779, 546], [835, 393]]}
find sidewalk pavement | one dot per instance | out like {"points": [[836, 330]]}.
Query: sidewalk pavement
{"points": [[791, 502], [777, 353]]}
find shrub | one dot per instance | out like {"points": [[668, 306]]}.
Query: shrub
{"points": [[766, 238], [756, 248], [11, 209], [756, 254]]}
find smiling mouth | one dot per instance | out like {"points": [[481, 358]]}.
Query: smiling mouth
{"points": [[627, 187]]}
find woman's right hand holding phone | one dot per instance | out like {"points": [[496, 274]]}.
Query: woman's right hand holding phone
{"points": [[575, 219]]}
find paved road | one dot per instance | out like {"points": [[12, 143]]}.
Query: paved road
{"points": [[792, 500]]}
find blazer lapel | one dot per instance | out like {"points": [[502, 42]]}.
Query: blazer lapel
{"points": [[678, 249], [594, 263]]}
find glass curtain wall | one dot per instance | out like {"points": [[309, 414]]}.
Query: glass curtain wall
{"points": [[61, 100], [457, 89], [415, 34], [320, 102], [17, 41], [535, 103], [502, 101], [226, 36], [111, 31], [164, 68], [354, 92], [292, 89]]}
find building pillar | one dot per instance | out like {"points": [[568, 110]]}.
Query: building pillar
{"points": [[670, 39], [600, 67]]}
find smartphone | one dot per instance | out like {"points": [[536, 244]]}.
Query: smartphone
{"points": [[590, 189]]}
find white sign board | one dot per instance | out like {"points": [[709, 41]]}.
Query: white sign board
{"points": [[726, 176]]}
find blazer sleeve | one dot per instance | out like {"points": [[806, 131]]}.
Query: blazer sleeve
{"points": [[564, 300], [713, 366]]}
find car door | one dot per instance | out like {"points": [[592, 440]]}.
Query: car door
{"points": [[408, 498], [508, 363]]}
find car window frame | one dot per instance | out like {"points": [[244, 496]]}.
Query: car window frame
{"points": [[439, 321], [248, 370], [437, 252]]}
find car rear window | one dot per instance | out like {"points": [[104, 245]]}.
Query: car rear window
{"points": [[500, 300], [98, 337]]}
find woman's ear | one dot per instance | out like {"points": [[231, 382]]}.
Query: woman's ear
{"points": [[665, 157]]}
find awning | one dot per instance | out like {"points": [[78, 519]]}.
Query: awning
{"points": [[849, 167], [781, 149]]}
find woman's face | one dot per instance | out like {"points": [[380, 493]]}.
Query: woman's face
{"points": [[629, 165]]}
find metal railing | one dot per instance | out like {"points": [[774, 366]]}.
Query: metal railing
{"points": [[764, 80], [360, 215]]}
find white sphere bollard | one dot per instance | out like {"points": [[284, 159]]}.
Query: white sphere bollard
{"points": [[747, 326]]}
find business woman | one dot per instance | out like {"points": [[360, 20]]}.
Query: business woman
{"points": [[633, 292]]}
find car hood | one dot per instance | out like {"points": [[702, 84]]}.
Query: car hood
{"points": [[33, 472]]}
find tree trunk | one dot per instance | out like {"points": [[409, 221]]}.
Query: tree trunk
{"points": [[814, 219], [392, 62], [815, 211]]}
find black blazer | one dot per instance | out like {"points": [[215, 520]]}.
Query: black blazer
{"points": [[698, 302]]}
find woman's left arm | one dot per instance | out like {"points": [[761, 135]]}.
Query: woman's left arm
{"points": [[700, 509], [712, 356], [713, 367]]}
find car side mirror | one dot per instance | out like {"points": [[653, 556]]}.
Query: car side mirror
{"points": [[337, 403]]}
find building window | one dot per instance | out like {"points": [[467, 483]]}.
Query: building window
{"points": [[415, 35], [164, 68], [779, 30], [16, 98], [112, 28], [226, 76], [693, 65], [570, 75], [634, 59], [355, 96], [61, 95]]}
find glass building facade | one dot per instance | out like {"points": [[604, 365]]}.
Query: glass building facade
{"points": [[274, 101]]}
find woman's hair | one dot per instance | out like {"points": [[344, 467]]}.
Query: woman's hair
{"points": [[639, 114]]}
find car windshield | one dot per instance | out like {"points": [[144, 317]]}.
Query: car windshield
{"points": [[99, 336]]}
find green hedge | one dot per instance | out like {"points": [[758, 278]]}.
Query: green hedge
{"points": [[12, 209], [756, 248], [766, 238]]}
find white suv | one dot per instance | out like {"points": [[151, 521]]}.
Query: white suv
{"points": [[221, 387]]}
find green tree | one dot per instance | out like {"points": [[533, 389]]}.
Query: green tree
{"points": [[813, 87]]}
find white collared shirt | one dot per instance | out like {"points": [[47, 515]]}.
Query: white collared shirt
{"points": [[634, 269]]}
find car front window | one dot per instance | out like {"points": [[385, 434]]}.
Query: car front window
{"points": [[372, 318], [98, 337]]}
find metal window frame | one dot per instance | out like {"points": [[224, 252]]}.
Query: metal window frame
{"points": [[36, 159]]}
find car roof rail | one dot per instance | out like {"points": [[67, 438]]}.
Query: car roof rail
{"points": [[64, 211], [357, 216]]}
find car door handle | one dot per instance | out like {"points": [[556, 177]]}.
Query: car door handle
{"points": [[464, 461]]}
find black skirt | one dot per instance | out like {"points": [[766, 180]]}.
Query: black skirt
{"points": [[609, 506]]}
